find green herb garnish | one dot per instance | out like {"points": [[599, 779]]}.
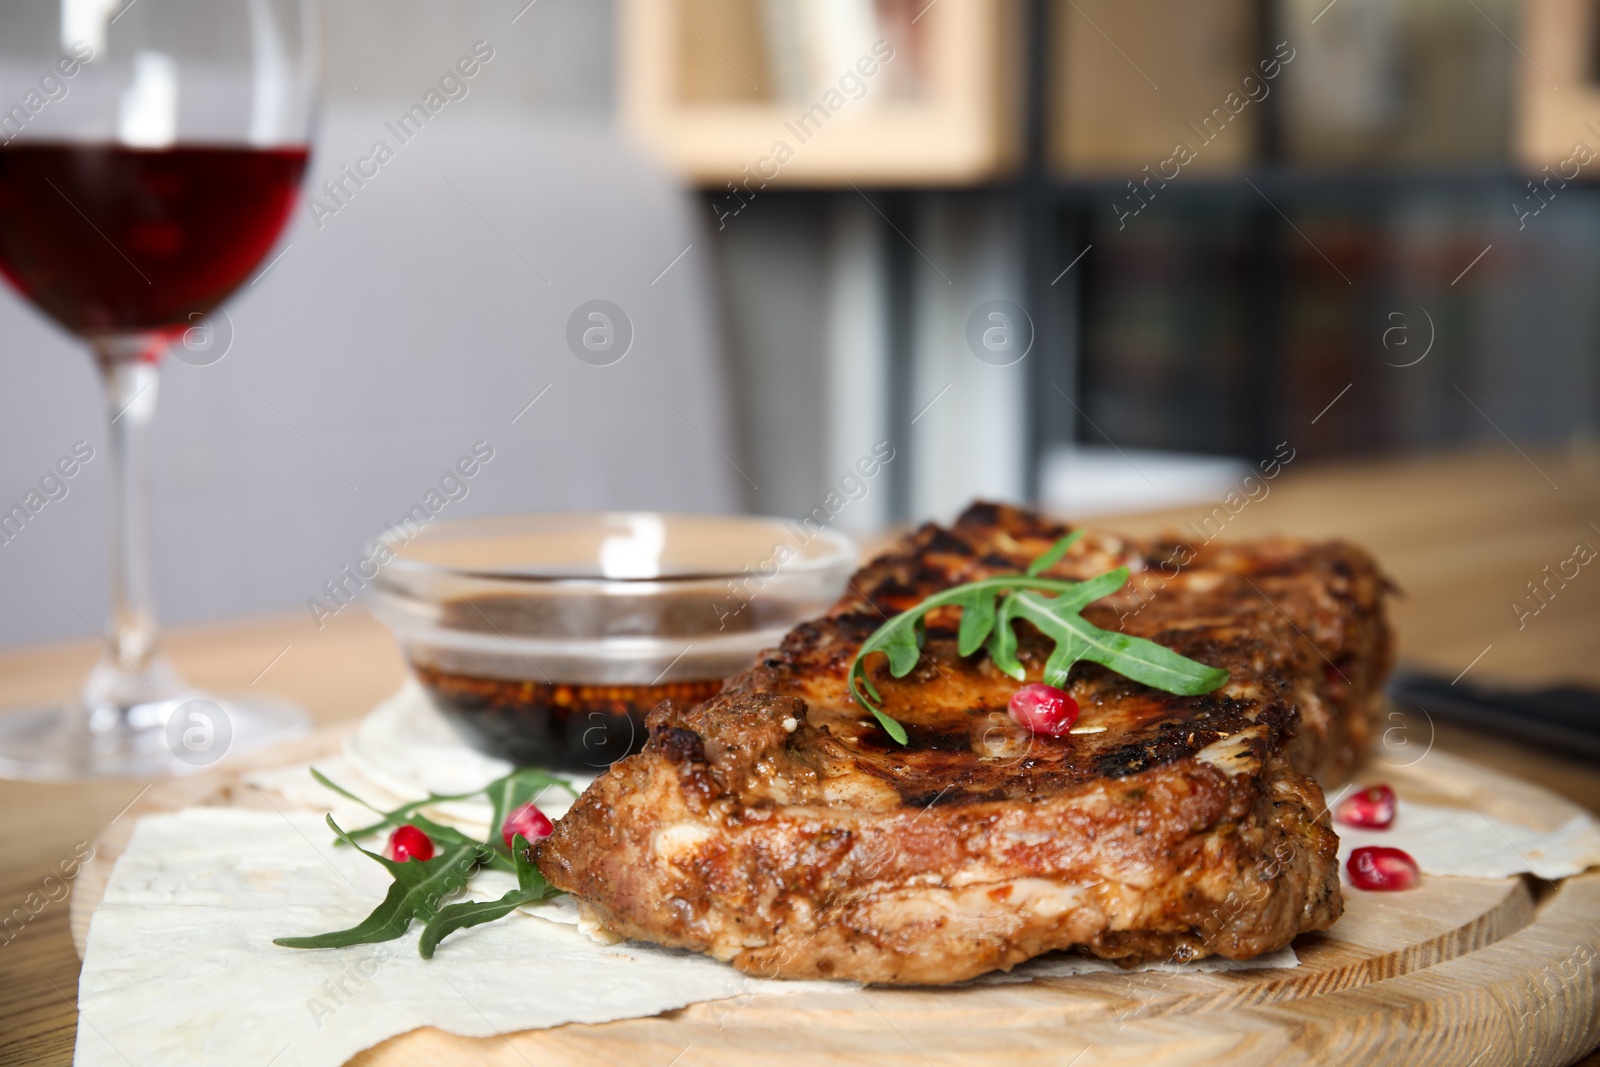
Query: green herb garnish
{"points": [[420, 887], [531, 886], [988, 608]]}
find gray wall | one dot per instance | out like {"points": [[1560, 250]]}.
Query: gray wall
{"points": [[421, 318], [392, 49], [770, 266]]}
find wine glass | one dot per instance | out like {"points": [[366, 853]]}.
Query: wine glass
{"points": [[150, 153]]}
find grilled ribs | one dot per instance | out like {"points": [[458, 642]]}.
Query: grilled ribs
{"points": [[777, 827]]}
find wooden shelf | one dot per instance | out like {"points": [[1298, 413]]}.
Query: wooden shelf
{"points": [[1127, 82], [696, 94], [1556, 90]]}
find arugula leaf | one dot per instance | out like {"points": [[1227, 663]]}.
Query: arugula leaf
{"points": [[531, 886], [1069, 650], [977, 621], [859, 681], [507, 793], [1144, 661], [891, 725], [399, 816], [1096, 588], [1003, 642], [418, 888], [903, 643], [901, 636], [988, 608], [1053, 556], [468, 913]]}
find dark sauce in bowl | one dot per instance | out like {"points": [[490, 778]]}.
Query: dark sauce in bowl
{"points": [[546, 639], [553, 724]]}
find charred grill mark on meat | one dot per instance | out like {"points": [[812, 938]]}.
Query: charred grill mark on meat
{"points": [[777, 827]]}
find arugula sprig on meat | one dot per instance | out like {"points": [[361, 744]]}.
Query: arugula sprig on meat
{"points": [[988, 608]]}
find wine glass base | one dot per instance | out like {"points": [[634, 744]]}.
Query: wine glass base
{"points": [[182, 735]]}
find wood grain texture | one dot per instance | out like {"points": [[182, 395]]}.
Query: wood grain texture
{"points": [[39, 988]]}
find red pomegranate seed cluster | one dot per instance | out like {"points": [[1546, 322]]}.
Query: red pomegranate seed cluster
{"points": [[1370, 809], [409, 843], [528, 821], [1044, 709], [1378, 867]]}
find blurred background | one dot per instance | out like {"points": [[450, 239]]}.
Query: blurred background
{"points": [[1102, 256]]}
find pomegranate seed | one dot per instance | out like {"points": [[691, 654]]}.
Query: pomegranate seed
{"points": [[409, 843], [528, 821], [1370, 809], [1044, 709], [1379, 868]]}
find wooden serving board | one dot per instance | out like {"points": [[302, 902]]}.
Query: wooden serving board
{"points": [[1459, 971]]}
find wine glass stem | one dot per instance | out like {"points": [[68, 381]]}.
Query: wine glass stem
{"points": [[131, 672]]}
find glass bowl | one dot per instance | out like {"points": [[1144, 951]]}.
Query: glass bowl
{"points": [[545, 639]]}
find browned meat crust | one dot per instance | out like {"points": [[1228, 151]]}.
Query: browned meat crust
{"points": [[776, 827]]}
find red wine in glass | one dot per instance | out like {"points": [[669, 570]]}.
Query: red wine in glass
{"points": [[149, 169], [111, 239]]}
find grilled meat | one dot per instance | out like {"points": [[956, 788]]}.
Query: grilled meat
{"points": [[777, 827]]}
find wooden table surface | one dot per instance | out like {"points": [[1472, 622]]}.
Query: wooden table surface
{"points": [[1461, 534]]}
